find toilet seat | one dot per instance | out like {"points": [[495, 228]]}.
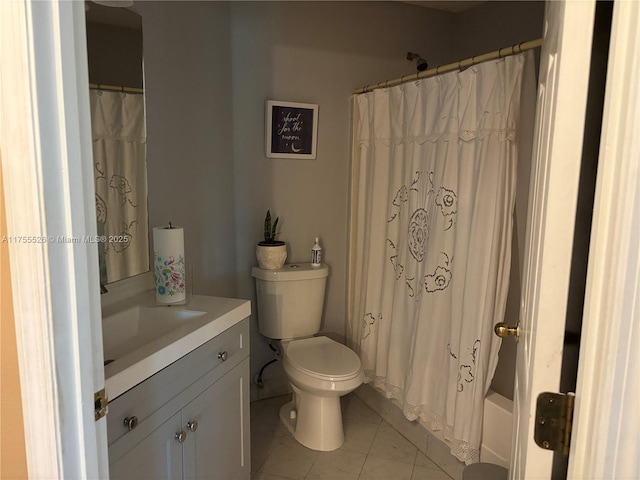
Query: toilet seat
{"points": [[323, 358]]}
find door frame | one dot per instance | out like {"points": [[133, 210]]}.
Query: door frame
{"points": [[605, 439], [553, 193], [47, 167]]}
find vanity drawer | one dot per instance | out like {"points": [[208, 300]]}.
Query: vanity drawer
{"points": [[216, 357]]}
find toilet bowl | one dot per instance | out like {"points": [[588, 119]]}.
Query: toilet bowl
{"points": [[320, 371]]}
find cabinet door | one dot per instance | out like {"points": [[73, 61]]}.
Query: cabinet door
{"points": [[157, 456], [219, 448]]}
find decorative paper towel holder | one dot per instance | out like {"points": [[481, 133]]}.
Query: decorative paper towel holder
{"points": [[172, 275]]}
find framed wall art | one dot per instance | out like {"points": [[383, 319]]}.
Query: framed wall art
{"points": [[291, 130]]}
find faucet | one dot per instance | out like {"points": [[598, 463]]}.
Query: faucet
{"points": [[103, 289]]}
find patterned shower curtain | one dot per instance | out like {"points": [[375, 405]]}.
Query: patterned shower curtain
{"points": [[120, 170], [433, 188]]}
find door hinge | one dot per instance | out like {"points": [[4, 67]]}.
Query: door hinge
{"points": [[100, 403], [554, 415]]}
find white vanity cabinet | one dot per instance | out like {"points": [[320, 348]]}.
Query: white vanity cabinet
{"points": [[190, 420]]}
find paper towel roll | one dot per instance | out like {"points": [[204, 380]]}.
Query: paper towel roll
{"points": [[169, 271]]}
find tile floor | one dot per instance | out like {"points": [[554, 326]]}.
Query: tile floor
{"points": [[372, 449]]}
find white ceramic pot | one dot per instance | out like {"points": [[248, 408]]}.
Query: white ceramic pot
{"points": [[271, 256]]}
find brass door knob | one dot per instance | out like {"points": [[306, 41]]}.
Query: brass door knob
{"points": [[503, 331]]}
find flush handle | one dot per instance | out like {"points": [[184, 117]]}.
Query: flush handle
{"points": [[503, 331]]}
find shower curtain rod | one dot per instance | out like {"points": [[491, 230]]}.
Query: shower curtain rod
{"points": [[115, 88], [459, 65]]}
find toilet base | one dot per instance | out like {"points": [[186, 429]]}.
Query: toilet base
{"points": [[315, 422]]}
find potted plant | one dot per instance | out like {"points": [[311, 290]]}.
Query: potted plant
{"points": [[271, 253]]}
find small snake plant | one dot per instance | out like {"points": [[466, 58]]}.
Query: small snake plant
{"points": [[270, 232]]}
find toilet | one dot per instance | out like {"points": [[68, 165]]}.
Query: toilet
{"points": [[320, 370]]}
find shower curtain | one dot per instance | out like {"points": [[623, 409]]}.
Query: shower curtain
{"points": [[433, 186], [119, 157]]}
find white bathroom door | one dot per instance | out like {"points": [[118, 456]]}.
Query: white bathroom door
{"points": [[605, 439], [47, 167], [560, 114]]}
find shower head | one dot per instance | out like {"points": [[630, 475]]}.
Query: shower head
{"points": [[421, 63]]}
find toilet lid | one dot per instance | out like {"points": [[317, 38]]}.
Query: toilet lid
{"points": [[321, 356]]}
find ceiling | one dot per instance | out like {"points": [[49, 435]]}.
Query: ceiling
{"points": [[448, 5], [98, 11]]}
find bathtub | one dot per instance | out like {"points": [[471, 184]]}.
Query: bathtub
{"points": [[496, 430]]}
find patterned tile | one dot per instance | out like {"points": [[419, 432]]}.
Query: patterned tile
{"points": [[337, 465], [289, 459], [372, 450], [267, 476], [376, 468], [265, 416], [359, 412], [423, 461], [358, 437], [388, 443], [261, 447], [422, 473]]}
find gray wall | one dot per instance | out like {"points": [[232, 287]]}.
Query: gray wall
{"points": [[210, 67], [312, 52], [496, 24], [187, 59]]}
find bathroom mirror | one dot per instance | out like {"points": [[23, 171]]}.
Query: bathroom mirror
{"points": [[114, 46]]}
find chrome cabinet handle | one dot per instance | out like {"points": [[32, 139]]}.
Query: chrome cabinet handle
{"points": [[222, 355], [181, 436], [192, 425], [131, 422]]}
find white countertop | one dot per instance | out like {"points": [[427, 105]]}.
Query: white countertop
{"points": [[153, 346]]}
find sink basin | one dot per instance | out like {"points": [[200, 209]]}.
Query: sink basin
{"points": [[128, 330], [141, 338]]}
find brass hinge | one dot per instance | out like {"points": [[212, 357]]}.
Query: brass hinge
{"points": [[554, 415], [100, 403]]}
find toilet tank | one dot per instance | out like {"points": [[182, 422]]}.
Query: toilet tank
{"points": [[290, 300]]}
